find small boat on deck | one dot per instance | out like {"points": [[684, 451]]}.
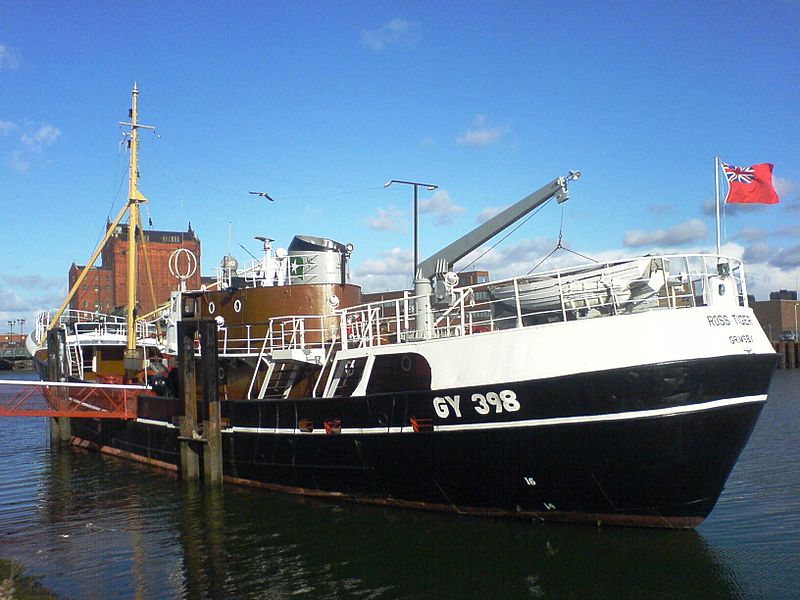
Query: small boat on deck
{"points": [[595, 289]]}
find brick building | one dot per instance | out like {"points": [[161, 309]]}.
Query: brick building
{"points": [[777, 316], [105, 287]]}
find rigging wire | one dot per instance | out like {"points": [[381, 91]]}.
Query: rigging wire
{"points": [[119, 173], [560, 246], [502, 239]]}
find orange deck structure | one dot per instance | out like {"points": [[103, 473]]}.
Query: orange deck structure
{"points": [[76, 400]]}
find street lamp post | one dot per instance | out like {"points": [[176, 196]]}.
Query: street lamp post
{"points": [[11, 328], [22, 326], [423, 320], [416, 185]]}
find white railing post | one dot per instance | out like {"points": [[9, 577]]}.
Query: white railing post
{"points": [[462, 299], [397, 320], [302, 327], [517, 302], [561, 296]]}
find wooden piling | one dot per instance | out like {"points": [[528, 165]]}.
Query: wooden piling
{"points": [[209, 437], [212, 432], [60, 427], [188, 437]]}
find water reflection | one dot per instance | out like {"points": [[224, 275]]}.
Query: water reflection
{"points": [[122, 530]]}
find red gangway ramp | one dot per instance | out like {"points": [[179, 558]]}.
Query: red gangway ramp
{"points": [[62, 399]]}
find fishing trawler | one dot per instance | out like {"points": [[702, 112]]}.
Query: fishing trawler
{"points": [[617, 393]]}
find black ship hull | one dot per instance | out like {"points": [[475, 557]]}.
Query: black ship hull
{"points": [[650, 445]]}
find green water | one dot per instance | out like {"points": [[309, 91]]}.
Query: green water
{"points": [[93, 526]]}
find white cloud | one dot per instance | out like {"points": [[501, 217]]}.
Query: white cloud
{"points": [[659, 210], [9, 59], [758, 252], [17, 161], [23, 296], [442, 206], [692, 230], [44, 135], [391, 272], [751, 234], [784, 187], [31, 143], [397, 32], [387, 219], [481, 134], [487, 213]]}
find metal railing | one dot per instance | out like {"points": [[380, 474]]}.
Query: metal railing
{"points": [[599, 290], [668, 282], [295, 332], [82, 322]]}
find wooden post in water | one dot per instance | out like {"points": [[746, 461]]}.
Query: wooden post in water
{"points": [[212, 450], [60, 427], [189, 442]]}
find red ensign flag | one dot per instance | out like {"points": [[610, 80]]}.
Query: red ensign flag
{"points": [[750, 185]]}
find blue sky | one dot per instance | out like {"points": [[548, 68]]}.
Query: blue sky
{"points": [[319, 103]]}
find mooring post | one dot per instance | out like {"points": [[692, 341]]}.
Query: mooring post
{"points": [[212, 450], [190, 455], [60, 427]]}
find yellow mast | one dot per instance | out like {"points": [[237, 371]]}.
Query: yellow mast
{"points": [[134, 197], [134, 359]]}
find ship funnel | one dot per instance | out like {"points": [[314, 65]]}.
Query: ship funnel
{"points": [[319, 260]]}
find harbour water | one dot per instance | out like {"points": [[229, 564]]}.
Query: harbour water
{"points": [[93, 526]]}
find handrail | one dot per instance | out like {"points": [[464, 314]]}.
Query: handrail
{"points": [[619, 287]]}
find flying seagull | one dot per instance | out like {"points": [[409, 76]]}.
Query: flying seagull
{"points": [[263, 195]]}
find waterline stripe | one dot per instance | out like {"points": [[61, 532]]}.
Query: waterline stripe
{"points": [[624, 416]]}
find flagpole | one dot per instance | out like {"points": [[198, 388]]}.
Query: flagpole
{"points": [[716, 180]]}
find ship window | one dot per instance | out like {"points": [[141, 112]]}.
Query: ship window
{"points": [[348, 376], [399, 372]]}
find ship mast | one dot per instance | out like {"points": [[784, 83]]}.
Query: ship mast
{"points": [[134, 358]]}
